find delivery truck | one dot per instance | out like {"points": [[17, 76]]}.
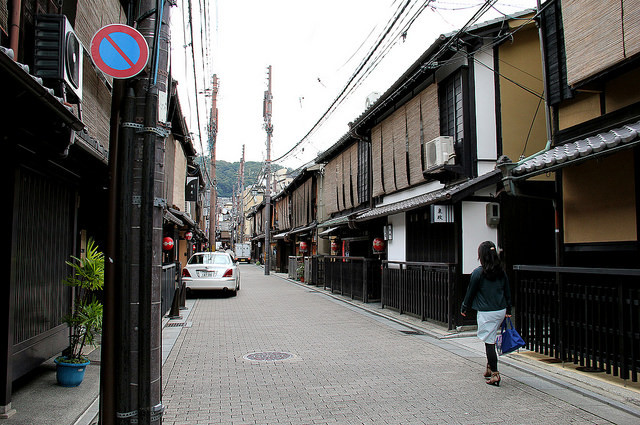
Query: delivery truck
{"points": [[243, 252]]}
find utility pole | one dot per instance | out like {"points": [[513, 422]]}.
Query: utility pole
{"points": [[241, 199], [266, 112], [213, 133], [131, 384]]}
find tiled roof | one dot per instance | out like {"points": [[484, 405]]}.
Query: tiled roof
{"points": [[444, 194], [581, 149]]}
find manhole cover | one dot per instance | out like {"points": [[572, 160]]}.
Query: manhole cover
{"points": [[268, 356]]}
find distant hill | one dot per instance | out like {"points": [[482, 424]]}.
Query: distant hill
{"points": [[227, 174]]}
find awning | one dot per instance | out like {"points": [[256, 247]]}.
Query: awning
{"points": [[172, 218], [328, 231], [280, 235], [592, 147], [448, 194], [183, 216], [303, 228], [339, 221], [30, 98], [258, 237]]}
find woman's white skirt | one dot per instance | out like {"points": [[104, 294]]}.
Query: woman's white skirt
{"points": [[488, 324]]}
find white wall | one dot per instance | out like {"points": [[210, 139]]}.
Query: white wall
{"points": [[474, 231], [397, 247], [484, 83]]}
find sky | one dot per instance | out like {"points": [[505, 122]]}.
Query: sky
{"points": [[314, 49]]}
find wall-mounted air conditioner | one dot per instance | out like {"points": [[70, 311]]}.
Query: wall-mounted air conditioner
{"points": [[438, 152], [58, 55]]}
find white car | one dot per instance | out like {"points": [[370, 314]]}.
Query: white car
{"points": [[211, 271]]}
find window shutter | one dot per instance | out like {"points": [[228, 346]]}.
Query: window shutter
{"points": [[354, 174], [388, 175]]}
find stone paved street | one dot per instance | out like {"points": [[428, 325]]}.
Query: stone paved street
{"points": [[347, 366]]}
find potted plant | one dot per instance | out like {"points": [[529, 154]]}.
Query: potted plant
{"points": [[85, 320], [300, 272]]}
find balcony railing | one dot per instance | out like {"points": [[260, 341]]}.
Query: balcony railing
{"points": [[587, 316], [425, 290]]}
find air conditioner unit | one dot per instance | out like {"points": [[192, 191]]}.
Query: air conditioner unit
{"points": [[58, 54], [438, 152]]}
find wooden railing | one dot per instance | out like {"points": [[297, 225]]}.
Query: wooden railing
{"points": [[587, 316], [425, 290], [355, 277]]}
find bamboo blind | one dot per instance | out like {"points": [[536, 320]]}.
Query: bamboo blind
{"points": [[631, 27], [354, 173], [307, 201], [346, 179], [388, 174], [329, 188], [430, 113], [340, 183], [399, 129], [593, 37], [376, 159]]}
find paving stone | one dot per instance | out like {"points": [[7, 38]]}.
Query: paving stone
{"points": [[348, 367]]}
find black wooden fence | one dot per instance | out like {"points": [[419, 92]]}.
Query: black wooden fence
{"points": [[170, 285], [355, 277], [425, 290], [590, 317]]}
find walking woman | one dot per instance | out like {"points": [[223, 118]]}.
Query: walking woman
{"points": [[489, 294]]}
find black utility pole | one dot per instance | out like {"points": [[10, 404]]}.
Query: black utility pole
{"points": [[267, 109], [131, 376]]}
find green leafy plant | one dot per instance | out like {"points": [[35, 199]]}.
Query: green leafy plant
{"points": [[300, 271], [85, 320]]}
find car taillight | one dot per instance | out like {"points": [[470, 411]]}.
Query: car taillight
{"points": [[185, 273], [228, 273]]}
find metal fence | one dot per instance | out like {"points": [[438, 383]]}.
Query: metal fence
{"points": [[590, 317], [356, 277], [425, 290]]}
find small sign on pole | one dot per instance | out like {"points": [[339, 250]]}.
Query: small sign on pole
{"points": [[119, 51]]}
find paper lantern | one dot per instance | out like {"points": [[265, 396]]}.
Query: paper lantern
{"points": [[378, 245], [303, 246], [167, 244], [188, 236]]}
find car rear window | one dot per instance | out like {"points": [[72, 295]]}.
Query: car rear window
{"points": [[210, 259]]}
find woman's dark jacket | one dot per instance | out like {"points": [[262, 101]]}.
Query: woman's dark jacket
{"points": [[487, 295]]}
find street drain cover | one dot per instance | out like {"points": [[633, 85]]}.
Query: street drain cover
{"points": [[268, 356]]}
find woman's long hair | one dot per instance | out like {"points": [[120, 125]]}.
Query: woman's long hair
{"points": [[490, 260]]}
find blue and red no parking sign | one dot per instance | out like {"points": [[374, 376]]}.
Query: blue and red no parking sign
{"points": [[119, 51]]}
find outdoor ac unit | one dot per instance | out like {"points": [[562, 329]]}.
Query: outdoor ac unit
{"points": [[438, 152], [58, 54]]}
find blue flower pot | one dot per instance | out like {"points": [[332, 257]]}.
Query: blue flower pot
{"points": [[70, 374]]}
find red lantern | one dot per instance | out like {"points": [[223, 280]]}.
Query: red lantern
{"points": [[334, 246], [188, 236], [378, 245], [167, 244], [303, 246]]}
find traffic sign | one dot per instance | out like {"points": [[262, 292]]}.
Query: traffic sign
{"points": [[119, 51]]}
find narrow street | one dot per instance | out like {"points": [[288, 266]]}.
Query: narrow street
{"points": [[318, 360]]}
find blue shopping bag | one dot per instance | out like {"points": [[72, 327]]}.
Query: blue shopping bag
{"points": [[510, 339]]}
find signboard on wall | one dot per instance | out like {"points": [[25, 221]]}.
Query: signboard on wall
{"points": [[191, 190], [442, 214]]}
